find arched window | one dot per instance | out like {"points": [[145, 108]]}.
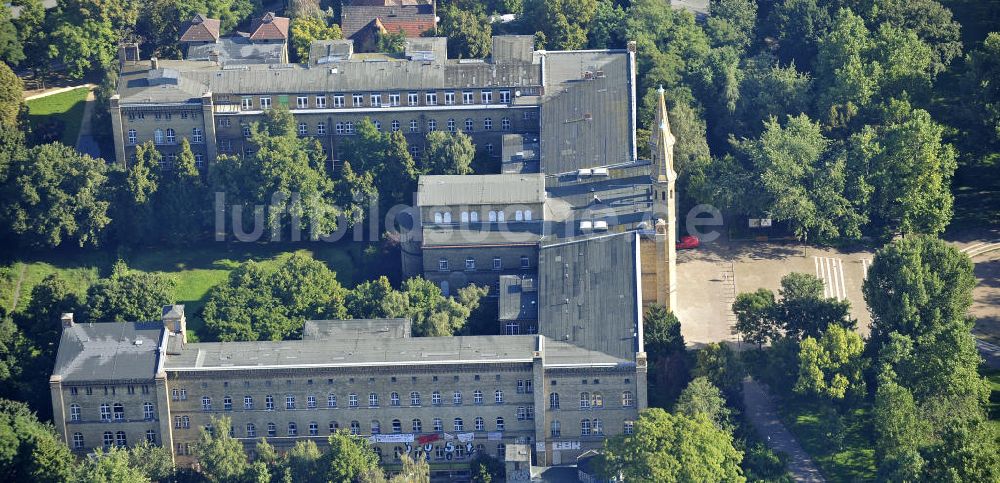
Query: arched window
{"points": [[269, 402], [447, 217], [376, 427], [468, 125], [251, 430], [500, 216], [119, 412], [132, 136], [334, 426], [158, 136], [313, 428], [438, 218], [394, 399], [554, 400], [474, 217], [74, 412], [498, 396], [477, 396], [465, 217], [372, 400], [480, 424], [505, 124], [355, 428], [417, 426], [493, 216], [597, 400], [414, 398], [500, 424], [518, 215], [293, 429], [272, 430], [457, 398], [627, 399], [584, 400], [120, 439], [109, 439], [438, 425], [397, 426], [451, 125], [171, 136], [628, 427], [77, 440], [458, 424], [147, 410], [395, 125], [527, 215], [487, 124], [597, 427]]}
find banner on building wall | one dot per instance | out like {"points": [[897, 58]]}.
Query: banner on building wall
{"points": [[466, 437], [391, 438], [494, 436], [428, 438], [565, 445]]}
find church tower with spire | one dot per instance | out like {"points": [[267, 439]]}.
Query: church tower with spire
{"points": [[664, 206]]}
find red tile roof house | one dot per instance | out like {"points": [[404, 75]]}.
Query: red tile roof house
{"points": [[363, 20], [269, 29]]}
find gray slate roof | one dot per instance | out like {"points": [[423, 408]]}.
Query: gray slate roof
{"points": [[356, 329], [237, 50], [586, 123], [589, 293], [489, 189], [483, 235], [375, 351], [108, 351]]}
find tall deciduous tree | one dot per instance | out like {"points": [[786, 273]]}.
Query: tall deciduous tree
{"points": [[702, 397], [54, 194], [11, 89], [387, 157], [11, 50], [672, 448], [111, 465], [448, 153], [182, 201], [755, 317], [563, 23], [470, 35], [348, 457], [129, 296], [220, 455], [668, 359], [31, 450], [831, 367], [307, 29]]}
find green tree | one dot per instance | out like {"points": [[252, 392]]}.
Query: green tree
{"points": [[909, 170], [348, 458], [272, 301], [386, 156], [755, 317], [355, 194], [134, 200], [798, 26], [433, 314], [220, 455], [607, 28], [732, 22], [305, 462], [804, 312], [470, 35], [702, 397], [768, 90], [722, 366], [31, 450], [563, 23], [898, 433], [487, 469], [181, 201], [832, 366], [11, 50], [930, 20], [375, 299], [40, 319], [668, 447], [447, 153], [113, 465], [129, 296], [32, 35], [155, 462], [54, 194], [983, 115], [11, 90], [668, 359], [305, 30]]}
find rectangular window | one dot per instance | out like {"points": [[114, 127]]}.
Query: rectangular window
{"points": [[247, 103], [376, 100], [497, 263], [352, 400], [289, 402], [431, 99], [449, 98], [303, 129], [225, 122], [321, 128], [487, 97], [321, 102], [357, 100], [311, 402], [414, 127], [301, 102], [505, 97], [525, 263], [470, 263], [443, 265], [338, 100], [411, 99], [265, 103], [467, 97], [393, 100]]}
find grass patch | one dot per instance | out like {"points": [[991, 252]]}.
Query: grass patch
{"points": [[844, 452], [195, 270], [66, 106]]}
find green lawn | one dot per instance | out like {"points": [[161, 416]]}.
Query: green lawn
{"points": [[67, 106], [844, 455], [195, 270]]}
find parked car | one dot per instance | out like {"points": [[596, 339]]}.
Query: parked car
{"points": [[688, 241]]}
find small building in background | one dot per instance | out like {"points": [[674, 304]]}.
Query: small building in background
{"points": [[266, 43], [364, 20]]}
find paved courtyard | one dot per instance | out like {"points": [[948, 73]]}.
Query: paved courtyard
{"points": [[711, 276]]}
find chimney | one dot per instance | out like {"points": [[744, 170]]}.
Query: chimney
{"points": [[67, 320], [174, 320], [154, 63]]}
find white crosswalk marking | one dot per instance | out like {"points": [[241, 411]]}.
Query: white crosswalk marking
{"points": [[831, 271], [865, 265]]}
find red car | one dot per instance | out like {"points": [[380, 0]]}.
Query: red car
{"points": [[688, 241]]}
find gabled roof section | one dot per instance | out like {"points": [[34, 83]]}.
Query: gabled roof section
{"points": [[201, 29], [589, 293], [108, 351], [269, 27], [413, 17]]}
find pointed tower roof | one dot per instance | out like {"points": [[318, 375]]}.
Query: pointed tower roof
{"points": [[662, 142]]}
